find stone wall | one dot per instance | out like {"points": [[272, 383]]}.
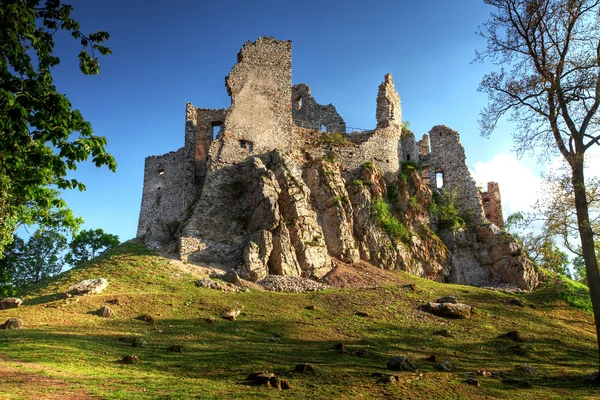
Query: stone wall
{"points": [[307, 113], [448, 158], [492, 204], [206, 121], [163, 197], [260, 117]]}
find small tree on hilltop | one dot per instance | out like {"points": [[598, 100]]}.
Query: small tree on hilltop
{"points": [[551, 90], [37, 145], [90, 244]]}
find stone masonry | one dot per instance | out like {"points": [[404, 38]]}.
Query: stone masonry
{"points": [[262, 187]]}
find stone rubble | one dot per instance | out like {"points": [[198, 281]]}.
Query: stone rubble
{"points": [[295, 284]]}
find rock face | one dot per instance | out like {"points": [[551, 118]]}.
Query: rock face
{"points": [[488, 256], [10, 302], [278, 185]]}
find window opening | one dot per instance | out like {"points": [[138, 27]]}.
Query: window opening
{"points": [[323, 128], [216, 128], [408, 157], [246, 144], [161, 171], [439, 180], [298, 103]]}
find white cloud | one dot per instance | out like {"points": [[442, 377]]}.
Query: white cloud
{"points": [[519, 187]]}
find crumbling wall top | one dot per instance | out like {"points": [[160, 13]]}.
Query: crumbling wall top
{"points": [[389, 110]]}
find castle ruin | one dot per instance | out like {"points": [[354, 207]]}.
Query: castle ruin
{"points": [[252, 189]]}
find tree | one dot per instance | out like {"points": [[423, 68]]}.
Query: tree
{"points": [[9, 265], [540, 246], [551, 91], [37, 145], [90, 244], [41, 257]]}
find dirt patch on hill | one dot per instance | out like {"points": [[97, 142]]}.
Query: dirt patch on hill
{"points": [[28, 385], [360, 275]]}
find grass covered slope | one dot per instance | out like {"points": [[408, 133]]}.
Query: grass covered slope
{"points": [[65, 351]]}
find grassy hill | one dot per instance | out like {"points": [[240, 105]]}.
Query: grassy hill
{"points": [[66, 351]]}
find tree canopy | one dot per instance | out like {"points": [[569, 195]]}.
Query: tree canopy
{"points": [[549, 86], [42, 136], [89, 244]]}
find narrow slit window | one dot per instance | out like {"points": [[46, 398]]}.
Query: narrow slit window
{"points": [[439, 180], [215, 131]]}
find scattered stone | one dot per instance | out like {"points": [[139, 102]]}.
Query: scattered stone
{"points": [[113, 301], [285, 385], [340, 347], [515, 336], [519, 349], [483, 372], [176, 348], [90, 286], [385, 378], [147, 318], [401, 363], [232, 276], [211, 320], [232, 313], [361, 353], [295, 284], [105, 312], [311, 307], [472, 381], [517, 382], [10, 302], [517, 302], [129, 360], [12, 323], [592, 378], [411, 286], [361, 314], [525, 369], [210, 284], [432, 358], [139, 342], [450, 310], [305, 368], [268, 379], [445, 365], [447, 299], [444, 333]]}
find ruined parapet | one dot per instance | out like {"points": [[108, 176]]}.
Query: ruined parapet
{"points": [[307, 113], [447, 161], [163, 197], [408, 146], [209, 125], [383, 146], [260, 86], [389, 110], [424, 145], [492, 204]]}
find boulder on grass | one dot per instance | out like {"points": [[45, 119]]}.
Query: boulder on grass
{"points": [[12, 323], [10, 302], [89, 286], [105, 312], [401, 363], [450, 310]]}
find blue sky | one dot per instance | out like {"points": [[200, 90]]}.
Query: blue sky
{"points": [[168, 53]]}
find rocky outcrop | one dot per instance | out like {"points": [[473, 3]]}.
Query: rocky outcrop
{"points": [[488, 256], [286, 238], [89, 286]]}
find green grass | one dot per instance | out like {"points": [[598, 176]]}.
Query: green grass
{"points": [[65, 350], [389, 222]]}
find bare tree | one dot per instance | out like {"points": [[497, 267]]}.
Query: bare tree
{"points": [[549, 86]]}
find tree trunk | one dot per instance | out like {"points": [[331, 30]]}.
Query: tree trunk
{"points": [[587, 244]]}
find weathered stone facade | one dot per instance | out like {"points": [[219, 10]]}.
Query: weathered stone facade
{"points": [[261, 187], [492, 204]]}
